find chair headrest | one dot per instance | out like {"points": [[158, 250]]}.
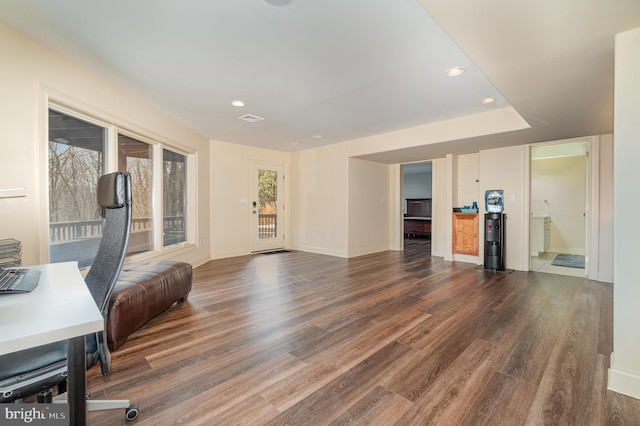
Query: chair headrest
{"points": [[114, 190]]}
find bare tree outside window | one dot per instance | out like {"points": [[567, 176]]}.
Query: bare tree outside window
{"points": [[174, 181], [136, 157], [76, 158], [268, 204]]}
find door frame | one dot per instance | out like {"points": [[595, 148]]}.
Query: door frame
{"points": [[255, 244], [592, 177], [402, 199]]}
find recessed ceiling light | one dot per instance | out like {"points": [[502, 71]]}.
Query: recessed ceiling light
{"points": [[237, 103], [317, 136], [294, 143], [486, 101], [455, 71], [278, 2]]}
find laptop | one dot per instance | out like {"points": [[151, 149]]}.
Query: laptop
{"points": [[20, 280]]}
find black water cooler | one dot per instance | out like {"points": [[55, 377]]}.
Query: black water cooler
{"points": [[494, 241]]}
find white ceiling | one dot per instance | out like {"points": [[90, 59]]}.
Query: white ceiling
{"points": [[346, 69]]}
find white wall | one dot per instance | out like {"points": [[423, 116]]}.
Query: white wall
{"points": [[368, 207], [467, 180], [30, 72], [320, 201], [504, 169], [562, 183], [624, 373], [320, 186], [416, 185], [230, 187]]}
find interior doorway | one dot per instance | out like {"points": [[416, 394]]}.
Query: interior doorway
{"points": [[417, 192], [559, 213]]}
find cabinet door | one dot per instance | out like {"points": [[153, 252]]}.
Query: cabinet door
{"points": [[537, 235], [547, 233], [465, 233]]}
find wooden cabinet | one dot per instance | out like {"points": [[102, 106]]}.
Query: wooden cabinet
{"points": [[465, 233], [540, 230]]}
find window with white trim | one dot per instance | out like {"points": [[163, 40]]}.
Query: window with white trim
{"points": [[76, 151], [174, 190], [136, 157], [80, 150]]}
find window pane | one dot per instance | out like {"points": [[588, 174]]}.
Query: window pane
{"points": [[76, 161], [174, 180], [268, 206], [136, 157]]}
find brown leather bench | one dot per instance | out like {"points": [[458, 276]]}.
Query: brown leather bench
{"points": [[144, 290]]}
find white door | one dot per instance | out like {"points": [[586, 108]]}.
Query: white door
{"points": [[267, 205]]}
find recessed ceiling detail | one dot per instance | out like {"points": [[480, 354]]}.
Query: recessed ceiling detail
{"points": [[279, 3], [342, 69], [250, 118]]}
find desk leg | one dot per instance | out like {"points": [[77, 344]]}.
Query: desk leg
{"points": [[77, 367]]}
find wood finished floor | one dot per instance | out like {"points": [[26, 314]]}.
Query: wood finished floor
{"points": [[391, 338]]}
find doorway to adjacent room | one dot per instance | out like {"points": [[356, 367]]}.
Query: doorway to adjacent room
{"points": [[559, 220], [417, 182]]}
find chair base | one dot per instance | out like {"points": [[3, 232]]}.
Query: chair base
{"points": [[131, 410]]}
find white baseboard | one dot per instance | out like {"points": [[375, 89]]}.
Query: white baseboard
{"points": [[623, 382], [226, 254], [467, 259], [319, 250]]}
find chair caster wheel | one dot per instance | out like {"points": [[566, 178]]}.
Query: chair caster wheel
{"points": [[131, 413]]}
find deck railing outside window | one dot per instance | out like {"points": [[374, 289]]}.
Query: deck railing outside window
{"points": [[79, 240]]}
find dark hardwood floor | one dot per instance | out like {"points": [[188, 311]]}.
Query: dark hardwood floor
{"points": [[390, 338]]}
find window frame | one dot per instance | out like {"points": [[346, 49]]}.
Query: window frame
{"points": [[153, 151], [115, 127], [105, 154], [189, 181]]}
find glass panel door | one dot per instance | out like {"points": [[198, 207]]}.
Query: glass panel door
{"points": [[267, 220]]}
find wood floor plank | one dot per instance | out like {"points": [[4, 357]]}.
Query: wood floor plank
{"points": [[378, 407], [330, 401], [208, 405], [449, 399], [296, 387], [504, 401], [564, 394], [530, 354], [388, 338]]}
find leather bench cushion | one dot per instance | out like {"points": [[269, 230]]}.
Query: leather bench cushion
{"points": [[144, 290]]}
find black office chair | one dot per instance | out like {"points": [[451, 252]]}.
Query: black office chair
{"points": [[38, 370]]}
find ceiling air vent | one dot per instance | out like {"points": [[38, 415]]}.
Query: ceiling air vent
{"points": [[250, 118]]}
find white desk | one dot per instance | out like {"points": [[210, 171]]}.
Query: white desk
{"points": [[60, 308]]}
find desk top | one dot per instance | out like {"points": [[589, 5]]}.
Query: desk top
{"points": [[60, 308]]}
